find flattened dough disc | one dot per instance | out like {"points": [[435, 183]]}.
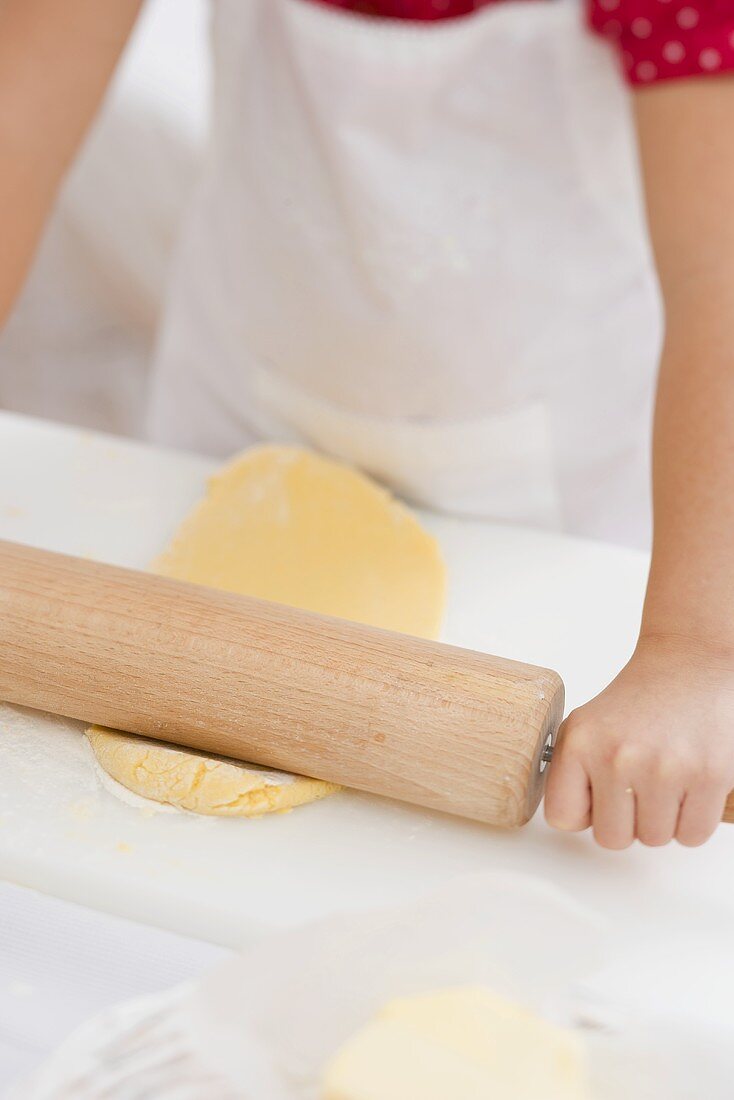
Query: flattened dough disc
{"points": [[199, 782], [286, 525]]}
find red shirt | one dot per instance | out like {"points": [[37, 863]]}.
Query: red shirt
{"points": [[657, 39]]}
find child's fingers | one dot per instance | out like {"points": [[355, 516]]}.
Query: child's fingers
{"points": [[568, 794], [658, 807], [613, 811], [701, 813]]}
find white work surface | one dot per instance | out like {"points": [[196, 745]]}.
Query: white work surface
{"points": [[551, 600]]}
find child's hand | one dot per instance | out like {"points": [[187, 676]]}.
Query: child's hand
{"points": [[652, 756]]}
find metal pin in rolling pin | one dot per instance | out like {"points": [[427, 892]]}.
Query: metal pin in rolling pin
{"points": [[547, 753]]}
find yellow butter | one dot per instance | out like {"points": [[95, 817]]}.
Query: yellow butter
{"points": [[457, 1044]]}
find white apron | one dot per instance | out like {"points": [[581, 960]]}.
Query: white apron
{"points": [[421, 248]]}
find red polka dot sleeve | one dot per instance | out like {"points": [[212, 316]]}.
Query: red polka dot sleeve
{"points": [[667, 39], [657, 39]]}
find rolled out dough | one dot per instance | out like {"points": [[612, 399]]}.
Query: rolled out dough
{"points": [[462, 1044], [287, 525]]}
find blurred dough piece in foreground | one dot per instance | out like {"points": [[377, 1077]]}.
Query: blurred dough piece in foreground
{"points": [[457, 1044]]}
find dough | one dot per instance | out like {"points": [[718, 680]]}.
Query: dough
{"points": [[199, 782], [462, 1044], [286, 525]]}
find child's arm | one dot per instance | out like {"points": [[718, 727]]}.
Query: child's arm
{"points": [[664, 729], [56, 59]]}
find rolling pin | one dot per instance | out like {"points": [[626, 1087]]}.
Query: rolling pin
{"points": [[431, 724]]}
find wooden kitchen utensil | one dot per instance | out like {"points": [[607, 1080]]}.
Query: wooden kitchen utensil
{"points": [[448, 728]]}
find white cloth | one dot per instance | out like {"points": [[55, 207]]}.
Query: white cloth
{"points": [[420, 247]]}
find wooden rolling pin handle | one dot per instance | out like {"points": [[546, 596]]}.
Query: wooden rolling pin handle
{"points": [[442, 727]]}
